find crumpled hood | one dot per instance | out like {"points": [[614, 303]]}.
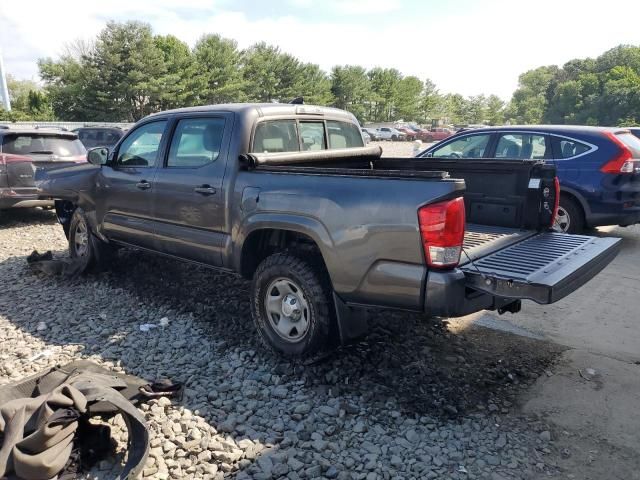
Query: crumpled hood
{"points": [[66, 183]]}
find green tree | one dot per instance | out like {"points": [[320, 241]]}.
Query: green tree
{"points": [[407, 104], [178, 85], [351, 90], [529, 102], [28, 102], [218, 76], [495, 110], [384, 87]]}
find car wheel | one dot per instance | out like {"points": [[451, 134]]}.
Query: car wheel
{"points": [[291, 305], [570, 218], [88, 250], [394, 137]]}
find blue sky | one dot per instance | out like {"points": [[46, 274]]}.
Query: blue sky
{"points": [[465, 46]]}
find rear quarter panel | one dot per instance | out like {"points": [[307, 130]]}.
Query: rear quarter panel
{"points": [[366, 228]]}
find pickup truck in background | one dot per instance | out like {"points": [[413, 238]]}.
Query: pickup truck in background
{"points": [[389, 133], [288, 197]]}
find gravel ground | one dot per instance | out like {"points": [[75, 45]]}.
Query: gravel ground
{"points": [[412, 400]]}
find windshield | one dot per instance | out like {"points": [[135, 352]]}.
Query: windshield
{"points": [[32, 144]]}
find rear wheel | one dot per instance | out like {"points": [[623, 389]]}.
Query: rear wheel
{"points": [[88, 250], [291, 305], [570, 217], [394, 138]]}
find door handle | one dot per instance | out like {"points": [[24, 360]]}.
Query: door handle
{"points": [[205, 190], [143, 185]]}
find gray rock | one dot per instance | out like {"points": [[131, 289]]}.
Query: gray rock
{"points": [[545, 436]]}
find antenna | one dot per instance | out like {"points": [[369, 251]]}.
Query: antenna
{"points": [[4, 91]]}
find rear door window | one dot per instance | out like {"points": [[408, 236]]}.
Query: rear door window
{"points": [[343, 135], [468, 146], [196, 142], [524, 146], [276, 136]]}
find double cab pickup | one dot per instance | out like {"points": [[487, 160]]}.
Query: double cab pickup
{"points": [[324, 227]]}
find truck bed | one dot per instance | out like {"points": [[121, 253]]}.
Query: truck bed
{"points": [[481, 240]]}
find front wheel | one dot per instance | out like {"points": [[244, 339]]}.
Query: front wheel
{"points": [[291, 305], [89, 251]]}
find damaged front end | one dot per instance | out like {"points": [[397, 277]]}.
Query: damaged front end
{"points": [[69, 187]]}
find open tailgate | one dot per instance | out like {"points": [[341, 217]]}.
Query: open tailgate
{"points": [[543, 268]]}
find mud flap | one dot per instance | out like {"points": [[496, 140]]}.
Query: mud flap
{"points": [[543, 268]]}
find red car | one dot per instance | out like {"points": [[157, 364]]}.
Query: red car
{"points": [[437, 134], [411, 135], [24, 151]]}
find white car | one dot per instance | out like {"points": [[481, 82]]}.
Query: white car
{"points": [[388, 133]]}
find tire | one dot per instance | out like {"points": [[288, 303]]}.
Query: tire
{"points": [[570, 218], [394, 138], [90, 252], [297, 321]]}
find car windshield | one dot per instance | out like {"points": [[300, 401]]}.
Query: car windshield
{"points": [[31, 144]]}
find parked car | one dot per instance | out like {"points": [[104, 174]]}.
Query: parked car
{"points": [[365, 136], [388, 133], [598, 167], [99, 136], [323, 235], [372, 132], [23, 151], [410, 134], [437, 134]]}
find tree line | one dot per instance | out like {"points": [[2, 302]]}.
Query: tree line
{"points": [[127, 72]]}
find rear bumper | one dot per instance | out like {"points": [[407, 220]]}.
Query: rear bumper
{"points": [[10, 198], [624, 219], [447, 295]]}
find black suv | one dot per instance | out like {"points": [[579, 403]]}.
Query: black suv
{"points": [[99, 136]]}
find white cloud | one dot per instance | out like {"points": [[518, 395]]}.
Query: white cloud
{"points": [[481, 48]]}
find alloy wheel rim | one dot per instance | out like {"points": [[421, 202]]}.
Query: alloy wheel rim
{"points": [[562, 221], [287, 309], [81, 239]]}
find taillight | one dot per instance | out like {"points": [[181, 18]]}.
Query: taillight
{"points": [[556, 203], [623, 162], [442, 232]]}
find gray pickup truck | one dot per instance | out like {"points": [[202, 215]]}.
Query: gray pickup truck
{"points": [[289, 197]]}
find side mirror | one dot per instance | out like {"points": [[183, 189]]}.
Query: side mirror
{"points": [[98, 155]]}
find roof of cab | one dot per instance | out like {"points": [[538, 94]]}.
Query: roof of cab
{"points": [[263, 109]]}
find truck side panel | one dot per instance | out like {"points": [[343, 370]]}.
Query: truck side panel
{"points": [[366, 228]]}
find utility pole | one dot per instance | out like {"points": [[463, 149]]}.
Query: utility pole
{"points": [[4, 91]]}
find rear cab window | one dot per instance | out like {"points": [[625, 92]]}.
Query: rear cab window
{"points": [[34, 144], [289, 135], [343, 135]]}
